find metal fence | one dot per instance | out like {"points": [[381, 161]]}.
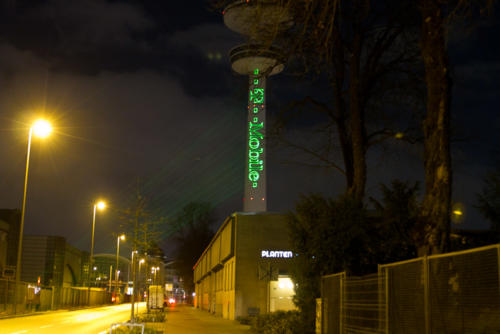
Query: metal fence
{"points": [[449, 293], [31, 298]]}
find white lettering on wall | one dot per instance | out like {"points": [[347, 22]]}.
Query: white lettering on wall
{"points": [[278, 254]]}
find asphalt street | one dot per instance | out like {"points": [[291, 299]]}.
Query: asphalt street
{"points": [[88, 321]]}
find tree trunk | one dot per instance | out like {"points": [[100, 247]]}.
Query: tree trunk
{"points": [[357, 119], [436, 126], [341, 119]]}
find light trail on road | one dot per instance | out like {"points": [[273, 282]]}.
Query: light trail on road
{"points": [[88, 321]]}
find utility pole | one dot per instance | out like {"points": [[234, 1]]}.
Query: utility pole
{"points": [[132, 318], [110, 273]]}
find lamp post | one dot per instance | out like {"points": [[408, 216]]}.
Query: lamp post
{"points": [[141, 261], [100, 205], [41, 129], [132, 266], [120, 237], [156, 271]]}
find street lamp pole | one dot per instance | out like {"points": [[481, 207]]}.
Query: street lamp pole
{"points": [[92, 248], [122, 237], [99, 205], [132, 319], [141, 261], [42, 129]]}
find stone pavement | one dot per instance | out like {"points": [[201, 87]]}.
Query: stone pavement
{"points": [[184, 319]]}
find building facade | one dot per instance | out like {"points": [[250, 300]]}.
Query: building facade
{"points": [[104, 265], [51, 260], [245, 268], [12, 217], [4, 232]]}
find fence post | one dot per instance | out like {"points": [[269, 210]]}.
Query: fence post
{"points": [[52, 296], [426, 295], [6, 295], [386, 288], [341, 308], [498, 268], [321, 310]]}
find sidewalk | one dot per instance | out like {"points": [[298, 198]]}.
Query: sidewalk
{"points": [[183, 319]]}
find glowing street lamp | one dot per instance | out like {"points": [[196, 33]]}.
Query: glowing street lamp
{"points": [[120, 237], [41, 128], [458, 213], [154, 270], [100, 205]]}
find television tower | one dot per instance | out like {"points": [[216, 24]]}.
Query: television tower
{"points": [[257, 20]]}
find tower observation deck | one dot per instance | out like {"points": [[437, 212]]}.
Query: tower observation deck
{"points": [[258, 60]]}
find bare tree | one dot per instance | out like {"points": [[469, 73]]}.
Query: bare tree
{"points": [[369, 56], [142, 227]]}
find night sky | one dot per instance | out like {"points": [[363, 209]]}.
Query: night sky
{"points": [[141, 92]]}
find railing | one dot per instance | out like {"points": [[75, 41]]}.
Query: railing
{"points": [[31, 298], [456, 292]]}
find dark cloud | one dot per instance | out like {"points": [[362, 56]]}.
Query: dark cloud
{"points": [[136, 90], [94, 36]]}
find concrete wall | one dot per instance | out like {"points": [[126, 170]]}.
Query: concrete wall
{"points": [[255, 233], [226, 275], [214, 273]]}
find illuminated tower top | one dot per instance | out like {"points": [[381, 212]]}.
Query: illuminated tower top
{"points": [[257, 20]]}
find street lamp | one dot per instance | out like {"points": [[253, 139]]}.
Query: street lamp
{"points": [[120, 237], [154, 270], [41, 128], [141, 261], [100, 205], [132, 267]]}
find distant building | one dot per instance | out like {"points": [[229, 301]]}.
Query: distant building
{"points": [[104, 264], [53, 260], [245, 268], [4, 230], [174, 284], [13, 219]]}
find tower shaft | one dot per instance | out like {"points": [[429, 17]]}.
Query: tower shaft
{"points": [[255, 171]]}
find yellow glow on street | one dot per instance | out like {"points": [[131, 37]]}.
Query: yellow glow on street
{"points": [[89, 317], [42, 128]]}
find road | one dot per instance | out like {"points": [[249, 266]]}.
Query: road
{"points": [[88, 321]]}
